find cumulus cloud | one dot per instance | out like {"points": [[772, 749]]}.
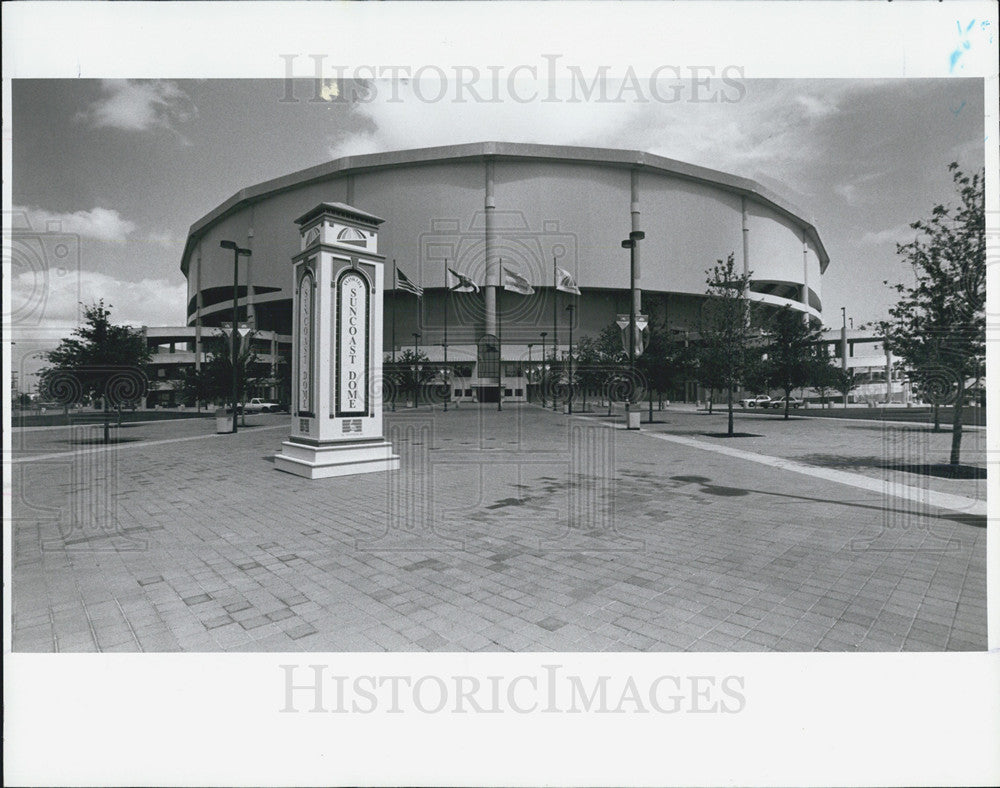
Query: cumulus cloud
{"points": [[54, 303], [749, 126], [901, 233], [100, 224], [135, 105], [857, 192]]}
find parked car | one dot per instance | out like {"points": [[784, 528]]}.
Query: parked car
{"points": [[257, 405], [779, 403], [760, 401]]}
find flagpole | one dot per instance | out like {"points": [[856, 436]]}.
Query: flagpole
{"points": [[447, 298], [500, 342], [555, 325], [394, 297], [394, 311]]}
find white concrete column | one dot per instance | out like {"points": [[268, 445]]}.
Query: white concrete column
{"points": [[635, 211], [492, 279], [197, 310]]}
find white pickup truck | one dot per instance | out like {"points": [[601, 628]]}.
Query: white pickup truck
{"points": [[257, 405]]}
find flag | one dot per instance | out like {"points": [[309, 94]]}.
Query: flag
{"points": [[564, 282], [460, 283], [641, 330], [403, 283], [516, 283]]}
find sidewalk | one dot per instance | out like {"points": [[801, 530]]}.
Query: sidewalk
{"points": [[519, 530]]}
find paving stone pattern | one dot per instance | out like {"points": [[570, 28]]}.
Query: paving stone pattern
{"points": [[519, 530]]}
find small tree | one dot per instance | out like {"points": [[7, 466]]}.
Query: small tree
{"points": [[843, 381], [588, 362], [938, 327], [823, 375], [660, 363], [727, 328], [412, 372], [100, 360], [614, 362], [790, 351], [216, 379], [196, 385]]}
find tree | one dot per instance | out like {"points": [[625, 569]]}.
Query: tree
{"points": [[196, 385], [938, 327], [727, 329], [660, 363], [614, 364], [588, 360], [100, 360], [843, 381], [215, 380], [412, 372], [790, 351], [823, 374]]}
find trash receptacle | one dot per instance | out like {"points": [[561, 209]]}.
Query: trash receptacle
{"points": [[632, 419], [223, 421]]}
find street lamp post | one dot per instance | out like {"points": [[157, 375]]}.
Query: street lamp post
{"points": [[843, 345], [416, 367], [569, 372], [631, 244], [542, 378], [527, 385], [237, 253]]}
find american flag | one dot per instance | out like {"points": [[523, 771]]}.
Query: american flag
{"points": [[403, 283]]}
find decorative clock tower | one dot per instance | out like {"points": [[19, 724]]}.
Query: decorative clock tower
{"points": [[337, 348]]}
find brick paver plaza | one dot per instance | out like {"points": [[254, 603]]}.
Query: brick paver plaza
{"points": [[520, 530]]}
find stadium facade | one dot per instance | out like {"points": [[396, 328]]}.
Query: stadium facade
{"points": [[485, 207]]}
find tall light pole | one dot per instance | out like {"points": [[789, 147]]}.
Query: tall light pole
{"points": [[527, 385], [843, 345], [569, 373], [632, 243], [541, 381], [237, 253], [416, 367]]}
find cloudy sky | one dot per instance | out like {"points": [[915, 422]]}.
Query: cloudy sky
{"points": [[127, 166]]}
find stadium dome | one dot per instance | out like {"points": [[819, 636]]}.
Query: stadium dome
{"points": [[483, 208]]}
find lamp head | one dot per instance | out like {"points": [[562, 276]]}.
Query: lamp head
{"points": [[228, 244], [636, 235]]}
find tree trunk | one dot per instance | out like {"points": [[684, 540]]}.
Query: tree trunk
{"points": [[107, 421], [788, 394], [937, 417], [956, 427], [730, 404], [650, 406], [711, 400]]}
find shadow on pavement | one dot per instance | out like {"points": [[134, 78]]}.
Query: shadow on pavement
{"points": [[977, 521], [939, 470]]}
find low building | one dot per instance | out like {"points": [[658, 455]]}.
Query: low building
{"points": [[175, 350]]}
